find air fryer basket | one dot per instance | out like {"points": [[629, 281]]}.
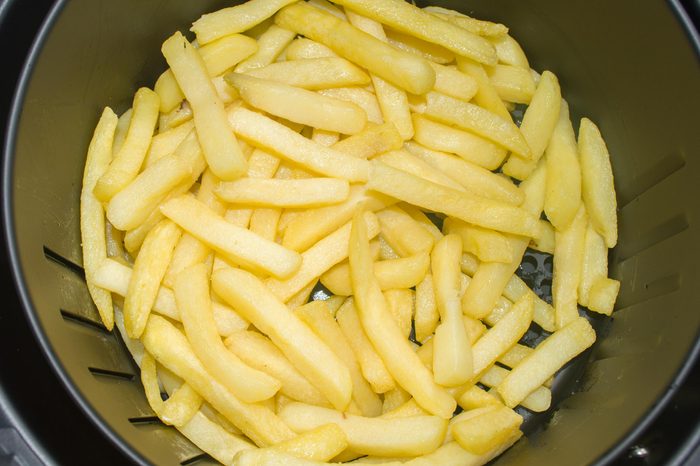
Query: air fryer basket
{"points": [[628, 65]]}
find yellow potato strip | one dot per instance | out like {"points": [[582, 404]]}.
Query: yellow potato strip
{"points": [[310, 192], [568, 261], [313, 73]]}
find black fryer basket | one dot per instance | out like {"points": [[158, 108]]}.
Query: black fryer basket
{"points": [[627, 64]]}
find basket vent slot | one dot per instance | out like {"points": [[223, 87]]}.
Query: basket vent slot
{"points": [[84, 321], [145, 420], [196, 459], [655, 235], [99, 372], [64, 262], [661, 170]]}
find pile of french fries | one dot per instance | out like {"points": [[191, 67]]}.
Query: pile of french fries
{"points": [[297, 143]]}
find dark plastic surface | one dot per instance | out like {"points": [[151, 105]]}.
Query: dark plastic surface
{"points": [[626, 64]]}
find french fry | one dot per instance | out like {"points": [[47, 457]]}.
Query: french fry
{"points": [[404, 160], [404, 235], [476, 26], [483, 212], [509, 51], [399, 68], [423, 220], [537, 126], [544, 241], [452, 82], [472, 177], [318, 259], [264, 222], [468, 146], [400, 273], [512, 83], [115, 277], [298, 343], [549, 356], [473, 118], [371, 364], [568, 259], [235, 19], [258, 352], [170, 348], [219, 145], [408, 43], [382, 331], [594, 265], [280, 140], [426, 315], [131, 206], [412, 20], [126, 163], [487, 245], [373, 140], [316, 315], [503, 335], [313, 73], [271, 44], [299, 105], [181, 406], [539, 399], [386, 437], [302, 48], [325, 138], [302, 297], [400, 304], [474, 397], [490, 278], [237, 244], [311, 192], [452, 355], [603, 294], [320, 444], [92, 215], [486, 95], [359, 96], [193, 300], [121, 130], [597, 183], [149, 269], [165, 143], [488, 430], [218, 56], [394, 399]]}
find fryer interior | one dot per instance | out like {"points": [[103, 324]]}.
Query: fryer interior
{"points": [[627, 65]]}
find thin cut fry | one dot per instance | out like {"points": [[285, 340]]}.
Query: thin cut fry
{"points": [[310, 192], [568, 260], [314, 73]]}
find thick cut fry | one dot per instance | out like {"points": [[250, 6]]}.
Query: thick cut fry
{"points": [[170, 348], [549, 356], [302, 48], [219, 145], [539, 400], [509, 51], [538, 125], [487, 431], [149, 269], [165, 143], [404, 235], [513, 84], [213, 439], [594, 265], [325, 138], [502, 336], [235, 19], [473, 178], [408, 43], [131, 206], [603, 294], [400, 304], [474, 398], [121, 130], [490, 278], [237, 244], [375, 436], [299, 105], [373, 140], [487, 245], [359, 96], [271, 44], [476, 26], [452, 82], [270, 135], [318, 259], [313, 73], [218, 56], [404, 160], [400, 273], [452, 355], [115, 277], [426, 315], [382, 331], [468, 146], [465, 206], [544, 241], [399, 68], [372, 366], [316, 315], [486, 96], [473, 118], [260, 353], [311, 192], [303, 348], [597, 183], [412, 20], [194, 302], [423, 220], [320, 444], [127, 162], [92, 215], [568, 259]]}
